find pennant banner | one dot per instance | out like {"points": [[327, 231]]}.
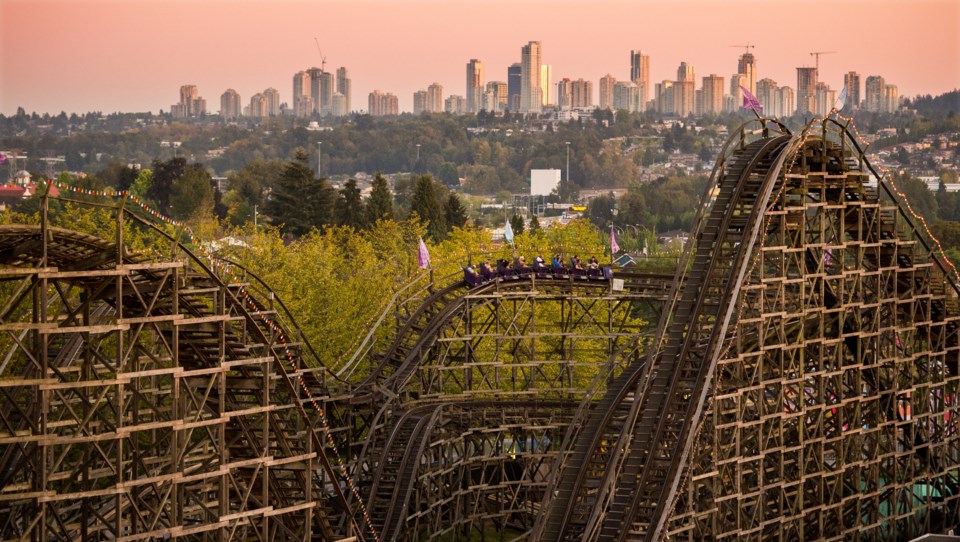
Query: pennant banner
{"points": [[508, 232], [841, 100], [614, 247], [750, 101], [423, 255]]}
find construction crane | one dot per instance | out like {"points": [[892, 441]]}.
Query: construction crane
{"points": [[746, 48], [817, 55], [323, 59]]}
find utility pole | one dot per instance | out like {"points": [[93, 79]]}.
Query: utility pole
{"points": [[568, 161], [319, 155]]}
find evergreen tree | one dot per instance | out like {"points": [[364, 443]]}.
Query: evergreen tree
{"points": [[516, 223], [456, 213], [426, 203], [164, 175], [380, 204], [534, 224], [299, 201], [350, 211]]}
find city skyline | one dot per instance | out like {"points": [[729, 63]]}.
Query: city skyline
{"points": [[104, 63]]}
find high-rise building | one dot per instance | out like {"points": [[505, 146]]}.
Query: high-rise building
{"points": [[626, 96], [747, 65], [258, 105], [514, 86], [565, 93], [686, 73], [786, 102], [435, 98], [531, 99], [583, 93], [826, 97], [640, 72], [735, 102], [851, 81], [230, 104], [272, 96], [891, 99], [873, 92], [315, 75], [663, 98], [712, 96], [382, 103], [419, 102], [606, 91], [475, 88], [546, 85], [302, 103], [767, 96], [191, 104], [496, 96], [456, 105], [806, 90], [684, 98], [340, 107], [344, 87], [328, 85]]}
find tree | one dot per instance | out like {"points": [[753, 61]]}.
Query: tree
{"points": [[456, 213], [565, 192], [164, 175], [516, 223], [600, 210], [380, 203], [299, 201], [349, 210], [192, 192], [921, 199], [534, 224], [117, 175], [426, 203]]}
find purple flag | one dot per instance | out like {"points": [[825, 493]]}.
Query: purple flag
{"points": [[3, 158], [750, 101], [614, 247], [423, 255]]}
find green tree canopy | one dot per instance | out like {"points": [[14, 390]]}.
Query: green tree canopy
{"points": [[299, 201], [380, 203], [349, 208], [427, 203], [456, 213], [192, 192]]}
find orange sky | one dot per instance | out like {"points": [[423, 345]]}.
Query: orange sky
{"points": [[132, 55]]}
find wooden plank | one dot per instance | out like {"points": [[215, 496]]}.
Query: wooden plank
{"points": [[86, 329], [150, 319], [297, 508], [14, 271]]}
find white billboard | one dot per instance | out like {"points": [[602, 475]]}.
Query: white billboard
{"points": [[543, 181]]}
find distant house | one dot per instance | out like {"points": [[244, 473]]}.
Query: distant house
{"points": [[21, 178], [10, 195], [625, 260]]}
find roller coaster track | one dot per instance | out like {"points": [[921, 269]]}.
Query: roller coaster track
{"points": [[221, 354]]}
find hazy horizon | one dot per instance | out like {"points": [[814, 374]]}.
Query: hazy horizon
{"points": [[132, 56]]}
